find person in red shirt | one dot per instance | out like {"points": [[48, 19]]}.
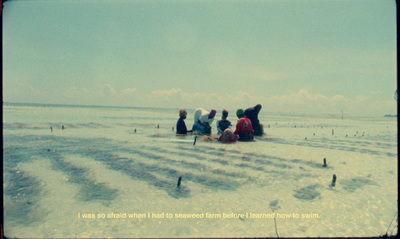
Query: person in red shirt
{"points": [[244, 129]]}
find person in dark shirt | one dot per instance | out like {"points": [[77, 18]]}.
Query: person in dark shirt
{"points": [[180, 125], [252, 114], [223, 123]]}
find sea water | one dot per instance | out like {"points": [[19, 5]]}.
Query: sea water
{"points": [[113, 172]]}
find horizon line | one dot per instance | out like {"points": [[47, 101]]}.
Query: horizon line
{"points": [[339, 116]]}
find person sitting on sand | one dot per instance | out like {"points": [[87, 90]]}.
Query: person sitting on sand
{"points": [[223, 123], [252, 114], [227, 137], [180, 125], [244, 130], [203, 121]]}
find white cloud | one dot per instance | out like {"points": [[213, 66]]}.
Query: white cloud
{"points": [[107, 90], [376, 92], [100, 95], [360, 99], [305, 102], [128, 91], [340, 99], [167, 93], [301, 101]]}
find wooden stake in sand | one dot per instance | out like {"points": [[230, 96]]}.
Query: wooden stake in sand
{"points": [[179, 182], [276, 227], [324, 163], [334, 180], [195, 138]]}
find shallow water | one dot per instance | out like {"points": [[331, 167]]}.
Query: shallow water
{"points": [[55, 181]]}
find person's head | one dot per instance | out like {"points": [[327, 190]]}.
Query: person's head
{"points": [[258, 107], [240, 113], [182, 113], [212, 114], [224, 114]]}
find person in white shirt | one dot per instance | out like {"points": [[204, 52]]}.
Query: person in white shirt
{"points": [[203, 121]]}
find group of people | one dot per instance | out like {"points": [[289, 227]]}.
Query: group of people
{"points": [[247, 125]]}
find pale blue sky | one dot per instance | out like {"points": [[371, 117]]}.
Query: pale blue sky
{"points": [[312, 56]]}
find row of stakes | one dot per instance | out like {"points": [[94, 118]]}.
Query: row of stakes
{"points": [[324, 165], [334, 175], [333, 133], [332, 184], [51, 128], [194, 143]]}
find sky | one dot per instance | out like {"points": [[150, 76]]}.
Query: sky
{"points": [[290, 56]]}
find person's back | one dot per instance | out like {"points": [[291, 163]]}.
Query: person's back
{"points": [[223, 123], [203, 120], [252, 114], [198, 113], [180, 125]]}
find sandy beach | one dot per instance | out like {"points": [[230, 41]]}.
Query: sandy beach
{"points": [[99, 178]]}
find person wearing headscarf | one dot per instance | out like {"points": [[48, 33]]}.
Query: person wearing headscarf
{"points": [[252, 114], [180, 125], [203, 120], [227, 136], [223, 123], [244, 129]]}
